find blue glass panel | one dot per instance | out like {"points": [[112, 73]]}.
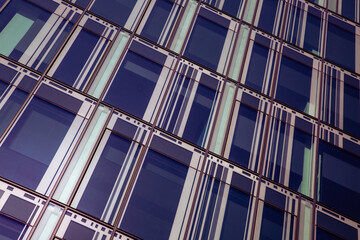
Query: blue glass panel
{"points": [[301, 143], [12, 105], [243, 135], [10, 229], [340, 46], [206, 43], [199, 115], [157, 19], [31, 145], [154, 200], [235, 215], [116, 11], [82, 3], [267, 15], [232, 7], [257, 66], [351, 110], [272, 223], [294, 83], [76, 57], [312, 33], [27, 14], [339, 173], [133, 84], [324, 235], [29, 20], [100, 185], [348, 9]]}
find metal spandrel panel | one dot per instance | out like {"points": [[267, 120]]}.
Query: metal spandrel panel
{"points": [[18, 209], [76, 226]]}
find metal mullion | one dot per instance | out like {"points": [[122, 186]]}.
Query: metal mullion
{"points": [[28, 100], [83, 170], [317, 138], [267, 123], [131, 183]]}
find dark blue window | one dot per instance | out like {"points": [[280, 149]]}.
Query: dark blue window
{"points": [[351, 110], [12, 105], [151, 210], [301, 144], [231, 7], [324, 235], [133, 84], [28, 19], [339, 173], [267, 15], [206, 43], [294, 84], [243, 136], [272, 223], [312, 33], [76, 57], [100, 185], [340, 46], [206, 212], [257, 66], [199, 115], [10, 229], [348, 9], [235, 215], [82, 3], [117, 11], [157, 19], [33, 142]]}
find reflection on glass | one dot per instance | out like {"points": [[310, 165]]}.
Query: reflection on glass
{"points": [[31, 145], [155, 197], [293, 87], [133, 84], [100, 187], [272, 223], [206, 43], [235, 215], [339, 173]]}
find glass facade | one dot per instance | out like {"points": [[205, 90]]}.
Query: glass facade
{"points": [[179, 119]]}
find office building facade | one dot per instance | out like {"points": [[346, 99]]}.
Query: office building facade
{"points": [[179, 119]]}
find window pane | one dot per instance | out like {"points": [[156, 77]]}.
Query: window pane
{"points": [[31, 145], [272, 223], [206, 43], [338, 180], [197, 122], [267, 15], [12, 105], [77, 58], [243, 136], [351, 110], [10, 229], [235, 215], [30, 34], [151, 209], [257, 66], [294, 84], [340, 46], [104, 176], [156, 21], [117, 11], [312, 34], [133, 84]]}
